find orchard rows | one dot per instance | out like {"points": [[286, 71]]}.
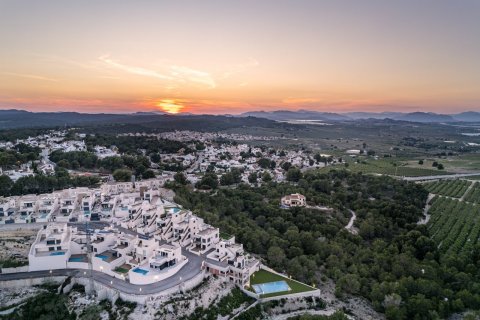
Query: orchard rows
{"points": [[454, 225], [454, 189]]}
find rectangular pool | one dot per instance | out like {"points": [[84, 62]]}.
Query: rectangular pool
{"points": [[76, 259], [271, 287], [59, 253], [101, 256], [141, 271]]}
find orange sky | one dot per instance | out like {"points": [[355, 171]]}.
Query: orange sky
{"points": [[226, 57]]}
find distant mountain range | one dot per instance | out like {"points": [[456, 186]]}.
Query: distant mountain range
{"points": [[11, 119], [296, 115], [426, 117], [22, 119]]}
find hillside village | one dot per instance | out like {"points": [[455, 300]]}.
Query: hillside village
{"points": [[208, 152]]}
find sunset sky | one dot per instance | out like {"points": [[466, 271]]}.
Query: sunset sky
{"points": [[233, 56]]}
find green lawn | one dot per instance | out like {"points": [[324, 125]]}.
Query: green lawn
{"points": [[121, 270], [263, 276]]}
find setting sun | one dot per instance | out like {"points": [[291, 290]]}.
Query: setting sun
{"points": [[170, 106]]}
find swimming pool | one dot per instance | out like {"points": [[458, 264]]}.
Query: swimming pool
{"points": [[175, 210], [101, 256], [59, 253], [75, 259], [141, 271], [271, 287]]}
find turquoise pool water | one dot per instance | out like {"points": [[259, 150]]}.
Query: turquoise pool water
{"points": [[271, 287], [57, 253], [76, 259], [101, 256], [141, 271], [175, 210]]}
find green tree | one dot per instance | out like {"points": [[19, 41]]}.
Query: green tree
{"points": [[264, 163], [148, 174], [5, 185], [286, 165], [123, 175], [294, 174], [252, 177], [180, 178], [155, 157], [208, 181], [276, 256], [266, 177]]}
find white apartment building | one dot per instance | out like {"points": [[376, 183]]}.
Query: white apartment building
{"points": [[51, 248]]}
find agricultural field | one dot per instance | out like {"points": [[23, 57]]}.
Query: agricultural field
{"points": [[455, 163], [474, 194], [450, 188], [454, 225], [387, 167]]}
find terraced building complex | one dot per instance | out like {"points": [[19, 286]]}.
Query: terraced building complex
{"points": [[142, 238]]}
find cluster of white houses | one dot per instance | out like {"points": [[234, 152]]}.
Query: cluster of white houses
{"points": [[148, 238]]}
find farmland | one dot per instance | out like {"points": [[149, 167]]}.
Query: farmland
{"points": [[452, 188], [393, 168], [454, 225], [474, 194]]}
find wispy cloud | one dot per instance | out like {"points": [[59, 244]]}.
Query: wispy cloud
{"points": [[192, 75], [134, 70], [242, 67], [30, 76], [299, 100], [173, 73]]}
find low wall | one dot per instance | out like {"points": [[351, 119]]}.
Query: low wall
{"points": [[77, 265], [38, 263], [249, 293], [30, 282], [313, 293], [14, 270], [105, 291]]}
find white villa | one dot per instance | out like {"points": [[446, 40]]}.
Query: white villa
{"points": [[294, 200], [51, 249]]}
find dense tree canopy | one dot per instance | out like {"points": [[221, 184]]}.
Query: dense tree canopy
{"points": [[391, 261], [44, 184]]}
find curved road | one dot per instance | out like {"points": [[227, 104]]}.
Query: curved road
{"points": [[449, 176], [187, 272]]}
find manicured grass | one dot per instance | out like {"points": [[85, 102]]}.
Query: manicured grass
{"points": [[264, 276], [120, 270]]}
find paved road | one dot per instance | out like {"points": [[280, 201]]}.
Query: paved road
{"points": [[38, 225], [187, 272], [449, 176]]}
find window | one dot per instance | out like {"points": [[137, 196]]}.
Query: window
{"points": [[51, 248]]}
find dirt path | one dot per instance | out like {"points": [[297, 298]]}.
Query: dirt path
{"points": [[349, 226], [470, 187], [426, 216]]}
